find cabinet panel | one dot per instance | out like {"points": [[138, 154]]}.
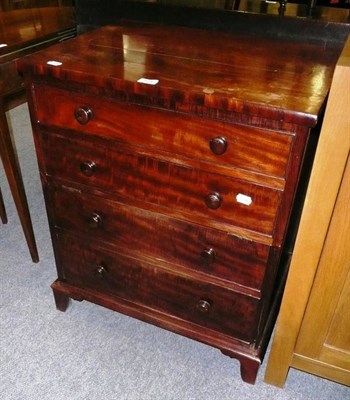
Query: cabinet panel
{"points": [[312, 332], [338, 337], [325, 333]]}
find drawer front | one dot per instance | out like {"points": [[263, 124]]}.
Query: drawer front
{"points": [[242, 147], [136, 231], [176, 189], [88, 266]]}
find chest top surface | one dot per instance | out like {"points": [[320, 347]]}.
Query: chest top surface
{"points": [[185, 68]]}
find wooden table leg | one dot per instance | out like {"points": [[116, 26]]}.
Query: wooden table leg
{"points": [[13, 173], [3, 215]]}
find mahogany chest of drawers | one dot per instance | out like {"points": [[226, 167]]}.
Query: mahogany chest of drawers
{"points": [[170, 159]]}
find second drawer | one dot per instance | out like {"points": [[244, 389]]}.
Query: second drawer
{"points": [[182, 191]]}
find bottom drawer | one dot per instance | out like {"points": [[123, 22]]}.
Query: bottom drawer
{"points": [[91, 266]]}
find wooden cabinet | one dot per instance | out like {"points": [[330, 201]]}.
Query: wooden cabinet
{"points": [[313, 330], [170, 170]]}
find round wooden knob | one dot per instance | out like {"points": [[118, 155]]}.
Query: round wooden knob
{"points": [[208, 256], [95, 220], [100, 271], [218, 145], [213, 200], [88, 168], [203, 306], [83, 115]]}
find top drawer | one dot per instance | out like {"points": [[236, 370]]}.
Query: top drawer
{"points": [[244, 147]]}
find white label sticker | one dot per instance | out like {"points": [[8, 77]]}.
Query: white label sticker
{"points": [[148, 81], [54, 63], [244, 199]]}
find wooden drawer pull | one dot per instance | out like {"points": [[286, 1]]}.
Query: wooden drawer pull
{"points": [[83, 115], [88, 168], [203, 306], [208, 256], [218, 145], [213, 200], [95, 220]]}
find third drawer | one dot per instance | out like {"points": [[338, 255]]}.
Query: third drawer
{"points": [[166, 239]]}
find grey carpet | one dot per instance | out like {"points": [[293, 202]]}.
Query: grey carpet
{"points": [[91, 353]]}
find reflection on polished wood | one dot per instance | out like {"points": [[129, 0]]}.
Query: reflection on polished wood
{"points": [[279, 79], [23, 32], [20, 29]]}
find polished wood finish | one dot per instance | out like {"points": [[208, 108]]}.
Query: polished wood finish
{"points": [[192, 136], [238, 262], [148, 215], [315, 336], [23, 32], [37, 27]]}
